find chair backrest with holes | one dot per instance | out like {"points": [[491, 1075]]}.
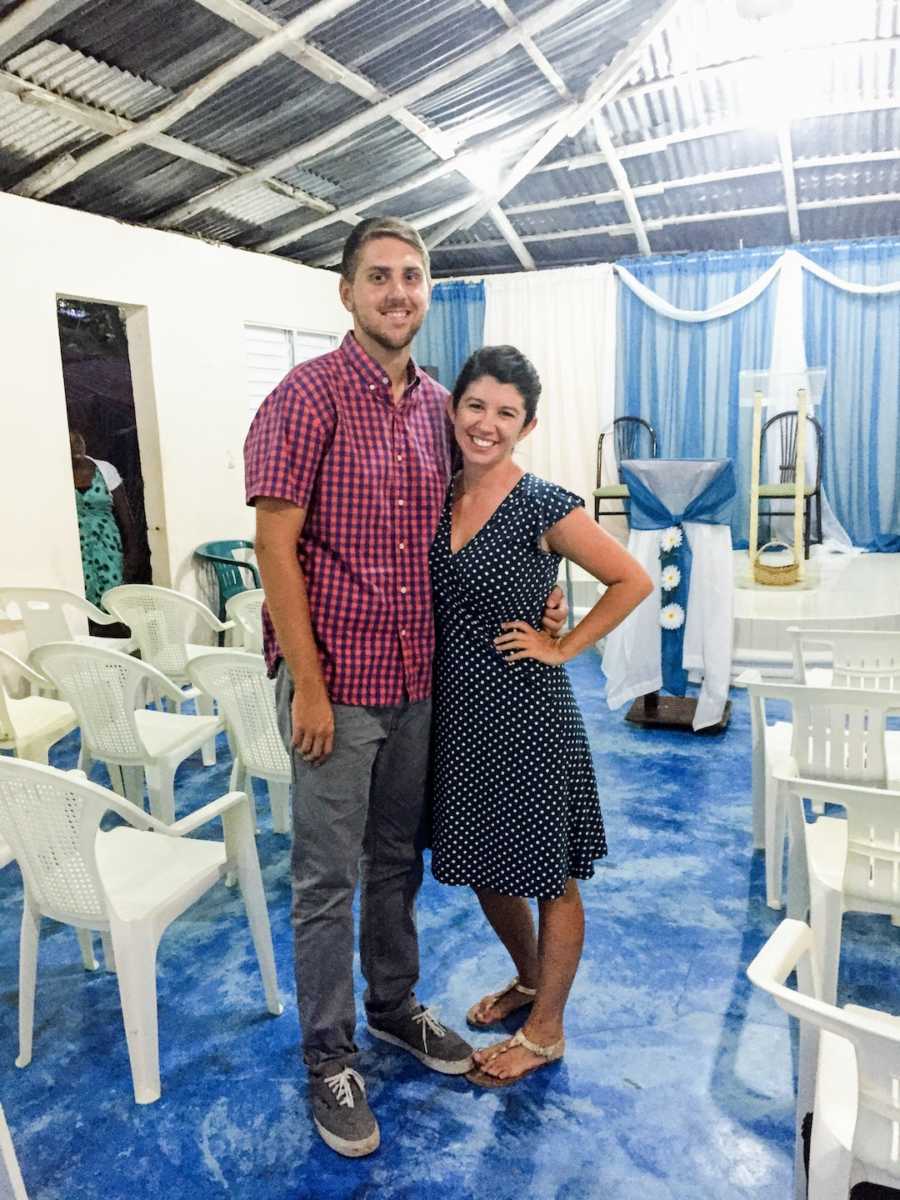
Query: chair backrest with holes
{"points": [[246, 698], [245, 609], [102, 686], [861, 658], [42, 612], [50, 820], [161, 620], [839, 733]]}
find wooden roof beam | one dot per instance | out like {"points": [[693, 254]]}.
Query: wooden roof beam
{"points": [[623, 183], [786, 155]]}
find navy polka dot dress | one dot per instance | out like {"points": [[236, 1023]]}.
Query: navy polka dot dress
{"points": [[515, 799]]}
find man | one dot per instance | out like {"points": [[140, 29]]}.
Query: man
{"points": [[347, 464]]}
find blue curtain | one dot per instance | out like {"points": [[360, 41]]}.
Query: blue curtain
{"points": [[683, 378], [453, 328], [857, 338]]}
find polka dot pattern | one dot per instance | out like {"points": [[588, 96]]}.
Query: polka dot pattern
{"points": [[515, 798]]}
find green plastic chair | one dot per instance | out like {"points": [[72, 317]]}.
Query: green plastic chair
{"points": [[231, 572]]}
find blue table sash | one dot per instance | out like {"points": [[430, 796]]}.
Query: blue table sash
{"points": [[711, 505]]}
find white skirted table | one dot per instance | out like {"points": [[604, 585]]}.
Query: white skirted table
{"points": [[680, 533]]}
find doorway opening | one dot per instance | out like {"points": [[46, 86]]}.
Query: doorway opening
{"points": [[100, 407]]}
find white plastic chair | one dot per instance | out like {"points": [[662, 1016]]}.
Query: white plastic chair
{"points": [[31, 725], [246, 699], [834, 733], [841, 865], [129, 884], [103, 688], [865, 658], [849, 1063], [43, 613], [163, 622], [245, 610]]}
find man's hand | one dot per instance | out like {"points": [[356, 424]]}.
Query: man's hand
{"points": [[312, 723], [556, 613]]}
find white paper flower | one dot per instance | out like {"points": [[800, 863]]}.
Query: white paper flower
{"points": [[671, 616], [669, 578], [670, 538]]}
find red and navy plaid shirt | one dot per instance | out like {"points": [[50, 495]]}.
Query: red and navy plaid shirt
{"points": [[372, 476]]}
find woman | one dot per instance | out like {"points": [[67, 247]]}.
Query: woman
{"points": [[105, 524], [516, 812]]}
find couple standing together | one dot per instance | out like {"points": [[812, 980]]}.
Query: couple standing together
{"points": [[348, 466]]}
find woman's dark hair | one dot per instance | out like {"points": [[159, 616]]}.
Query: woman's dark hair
{"points": [[506, 364]]}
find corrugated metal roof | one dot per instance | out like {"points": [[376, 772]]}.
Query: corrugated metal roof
{"points": [[81, 77], [694, 125], [396, 45], [136, 186], [468, 108], [266, 111], [366, 162], [172, 42], [29, 134]]}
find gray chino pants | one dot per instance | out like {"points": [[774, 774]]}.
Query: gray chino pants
{"points": [[358, 815]]}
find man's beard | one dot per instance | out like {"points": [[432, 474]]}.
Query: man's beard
{"points": [[400, 342]]}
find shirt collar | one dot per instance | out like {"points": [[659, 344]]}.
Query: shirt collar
{"points": [[372, 372]]}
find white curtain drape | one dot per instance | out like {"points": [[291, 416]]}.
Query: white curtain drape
{"points": [[565, 321]]}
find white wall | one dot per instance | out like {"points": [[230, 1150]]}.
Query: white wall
{"points": [[187, 303]]}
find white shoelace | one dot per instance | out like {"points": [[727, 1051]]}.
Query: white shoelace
{"points": [[340, 1085], [428, 1019]]}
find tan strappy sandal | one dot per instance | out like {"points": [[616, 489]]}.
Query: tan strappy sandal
{"points": [[548, 1054], [493, 997]]}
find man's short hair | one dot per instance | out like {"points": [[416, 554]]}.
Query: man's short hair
{"points": [[376, 227]]}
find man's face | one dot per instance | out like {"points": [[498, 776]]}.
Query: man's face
{"points": [[388, 296]]}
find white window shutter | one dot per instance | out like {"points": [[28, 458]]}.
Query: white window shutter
{"points": [[267, 355]]}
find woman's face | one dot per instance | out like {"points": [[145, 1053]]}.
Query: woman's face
{"points": [[489, 421], [77, 447]]}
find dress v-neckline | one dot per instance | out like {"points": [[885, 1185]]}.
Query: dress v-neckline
{"points": [[453, 553]]}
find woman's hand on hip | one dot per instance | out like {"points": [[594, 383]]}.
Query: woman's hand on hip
{"points": [[521, 640]]}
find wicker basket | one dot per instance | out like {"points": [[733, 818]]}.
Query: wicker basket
{"points": [[776, 574]]}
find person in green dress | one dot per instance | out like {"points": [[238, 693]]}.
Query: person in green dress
{"points": [[105, 523]]}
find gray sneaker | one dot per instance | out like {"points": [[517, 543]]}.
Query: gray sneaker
{"points": [[341, 1113], [421, 1033]]}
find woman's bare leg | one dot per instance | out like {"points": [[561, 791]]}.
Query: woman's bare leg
{"points": [[510, 918], [560, 941]]}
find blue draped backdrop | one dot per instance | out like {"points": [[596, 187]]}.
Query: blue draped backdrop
{"points": [[857, 338], [683, 377], [453, 328]]}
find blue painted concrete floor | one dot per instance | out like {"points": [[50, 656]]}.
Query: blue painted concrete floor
{"points": [[677, 1081]]}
